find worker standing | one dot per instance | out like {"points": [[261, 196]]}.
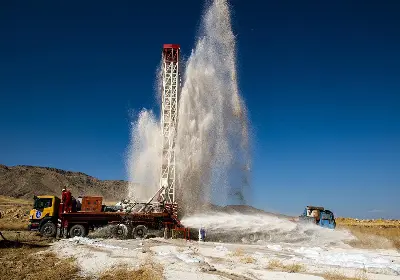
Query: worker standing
{"points": [[202, 234], [67, 200], [63, 198]]}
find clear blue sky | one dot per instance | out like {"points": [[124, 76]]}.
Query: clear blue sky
{"points": [[321, 80]]}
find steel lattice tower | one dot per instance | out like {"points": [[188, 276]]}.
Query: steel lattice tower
{"points": [[169, 119]]}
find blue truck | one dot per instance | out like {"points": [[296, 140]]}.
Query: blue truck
{"points": [[319, 216]]}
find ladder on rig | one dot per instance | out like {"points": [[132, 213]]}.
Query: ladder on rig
{"points": [[169, 120]]}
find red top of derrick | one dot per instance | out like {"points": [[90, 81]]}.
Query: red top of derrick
{"points": [[173, 46]]}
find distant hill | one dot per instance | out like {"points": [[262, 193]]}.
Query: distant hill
{"points": [[23, 181]]}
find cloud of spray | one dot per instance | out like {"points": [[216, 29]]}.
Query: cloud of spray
{"points": [[264, 228], [212, 143], [144, 157], [212, 156]]}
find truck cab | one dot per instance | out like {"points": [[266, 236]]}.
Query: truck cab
{"points": [[320, 216], [44, 214], [327, 219]]}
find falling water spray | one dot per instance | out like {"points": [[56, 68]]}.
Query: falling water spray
{"points": [[212, 145]]}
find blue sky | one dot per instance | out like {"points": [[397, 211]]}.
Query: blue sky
{"points": [[320, 79]]}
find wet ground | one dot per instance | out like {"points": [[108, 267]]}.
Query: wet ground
{"points": [[214, 260]]}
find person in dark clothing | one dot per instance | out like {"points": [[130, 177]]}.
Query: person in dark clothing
{"points": [[202, 234]]}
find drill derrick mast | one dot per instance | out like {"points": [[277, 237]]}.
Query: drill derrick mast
{"points": [[169, 120]]}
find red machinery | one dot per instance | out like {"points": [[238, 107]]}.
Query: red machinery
{"points": [[125, 224], [138, 223]]}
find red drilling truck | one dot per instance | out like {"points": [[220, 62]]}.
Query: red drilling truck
{"points": [[49, 217]]}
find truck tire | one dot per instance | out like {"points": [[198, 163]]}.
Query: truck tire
{"points": [[77, 230], [252, 237], [49, 229], [140, 231], [122, 231]]}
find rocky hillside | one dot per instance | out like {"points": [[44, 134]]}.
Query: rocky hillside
{"points": [[25, 181]]}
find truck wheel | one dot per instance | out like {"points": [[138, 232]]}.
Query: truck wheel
{"points": [[122, 231], [252, 237], [140, 231], [77, 230], [49, 229]]}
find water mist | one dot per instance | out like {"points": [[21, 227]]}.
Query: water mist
{"points": [[212, 152]]}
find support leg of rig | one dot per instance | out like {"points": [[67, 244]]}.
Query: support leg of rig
{"points": [[167, 233], [2, 236]]}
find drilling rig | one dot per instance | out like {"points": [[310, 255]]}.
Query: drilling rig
{"points": [[165, 197], [169, 120], [51, 218]]}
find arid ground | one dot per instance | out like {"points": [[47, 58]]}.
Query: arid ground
{"points": [[26, 255]]}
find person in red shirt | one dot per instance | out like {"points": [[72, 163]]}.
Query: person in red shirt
{"points": [[67, 200], [63, 195], [63, 198]]}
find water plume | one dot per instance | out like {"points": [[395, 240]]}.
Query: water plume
{"points": [[212, 145], [144, 157]]}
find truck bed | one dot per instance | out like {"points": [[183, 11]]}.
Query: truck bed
{"points": [[82, 216]]}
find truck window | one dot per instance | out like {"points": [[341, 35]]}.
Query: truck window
{"points": [[41, 203], [326, 216]]}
